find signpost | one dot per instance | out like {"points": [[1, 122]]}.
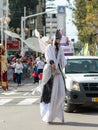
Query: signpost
{"points": [[61, 18], [67, 46]]}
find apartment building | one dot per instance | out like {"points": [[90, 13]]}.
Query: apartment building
{"points": [[51, 18], [4, 11]]}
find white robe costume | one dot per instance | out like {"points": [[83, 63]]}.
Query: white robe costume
{"points": [[55, 108]]}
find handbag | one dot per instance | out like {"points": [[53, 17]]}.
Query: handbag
{"points": [[35, 74], [40, 76]]}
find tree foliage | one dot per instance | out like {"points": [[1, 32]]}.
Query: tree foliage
{"points": [[17, 10], [86, 19]]}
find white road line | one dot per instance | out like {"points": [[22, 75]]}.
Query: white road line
{"points": [[9, 93], [37, 91], [25, 94], [28, 101], [32, 89], [4, 101], [19, 96]]}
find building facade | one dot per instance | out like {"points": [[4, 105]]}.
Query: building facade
{"points": [[39, 20], [51, 18], [4, 19]]}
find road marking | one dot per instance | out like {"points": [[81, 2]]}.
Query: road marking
{"points": [[25, 94], [4, 101], [9, 93], [32, 89], [28, 101], [19, 97], [37, 91]]}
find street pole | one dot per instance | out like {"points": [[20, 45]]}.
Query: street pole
{"points": [[22, 24], [50, 26], [2, 31], [22, 33], [6, 23], [24, 16], [22, 29], [61, 18]]}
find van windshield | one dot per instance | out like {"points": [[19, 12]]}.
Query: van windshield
{"points": [[81, 66]]}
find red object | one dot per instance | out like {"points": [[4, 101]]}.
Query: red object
{"points": [[13, 45], [40, 76], [35, 74], [4, 81], [14, 76]]}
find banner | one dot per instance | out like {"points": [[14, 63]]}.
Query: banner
{"points": [[86, 50], [67, 46]]}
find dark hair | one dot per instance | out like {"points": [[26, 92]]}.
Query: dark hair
{"points": [[58, 34]]}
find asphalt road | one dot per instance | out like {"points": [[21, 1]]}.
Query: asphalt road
{"points": [[22, 112], [21, 95], [28, 118]]}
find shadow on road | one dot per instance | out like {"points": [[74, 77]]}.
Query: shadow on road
{"points": [[75, 124]]}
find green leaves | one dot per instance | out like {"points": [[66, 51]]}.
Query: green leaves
{"points": [[86, 19]]}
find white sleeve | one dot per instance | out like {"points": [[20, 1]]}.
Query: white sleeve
{"points": [[48, 54], [62, 59], [21, 65], [13, 65]]}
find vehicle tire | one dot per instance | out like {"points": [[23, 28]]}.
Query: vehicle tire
{"points": [[69, 107]]}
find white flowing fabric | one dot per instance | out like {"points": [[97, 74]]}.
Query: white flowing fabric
{"points": [[46, 77], [56, 106]]}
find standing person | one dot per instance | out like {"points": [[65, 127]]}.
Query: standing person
{"points": [[35, 72], [18, 71], [40, 66], [53, 87]]}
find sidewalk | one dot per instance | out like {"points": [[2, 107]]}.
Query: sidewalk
{"points": [[26, 85], [24, 81]]}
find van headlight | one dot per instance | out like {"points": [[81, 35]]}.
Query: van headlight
{"points": [[75, 86]]}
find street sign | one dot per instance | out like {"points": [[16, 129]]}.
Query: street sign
{"points": [[61, 10]]}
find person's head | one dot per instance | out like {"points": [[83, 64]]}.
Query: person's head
{"points": [[58, 37], [18, 61], [57, 41]]}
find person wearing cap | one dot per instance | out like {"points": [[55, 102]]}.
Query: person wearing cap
{"points": [[53, 87]]}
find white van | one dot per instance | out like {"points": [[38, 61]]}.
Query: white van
{"points": [[81, 82]]}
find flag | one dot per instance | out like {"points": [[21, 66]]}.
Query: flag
{"points": [[22, 54], [62, 31], [37, 34], [86, 49]]}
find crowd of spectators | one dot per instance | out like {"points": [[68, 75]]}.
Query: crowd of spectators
{"points": [[32, 66]]}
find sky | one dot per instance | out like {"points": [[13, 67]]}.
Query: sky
{"points": [[71, 30], [60, 2]]}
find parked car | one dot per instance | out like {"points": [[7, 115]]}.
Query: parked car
{"points": [[81, 82]]}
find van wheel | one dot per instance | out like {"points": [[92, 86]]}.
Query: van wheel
{"points": [[69, 107]]}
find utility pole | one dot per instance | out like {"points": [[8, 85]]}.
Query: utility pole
{"points": [[61, 18], [22, 24], [6, 23]]}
